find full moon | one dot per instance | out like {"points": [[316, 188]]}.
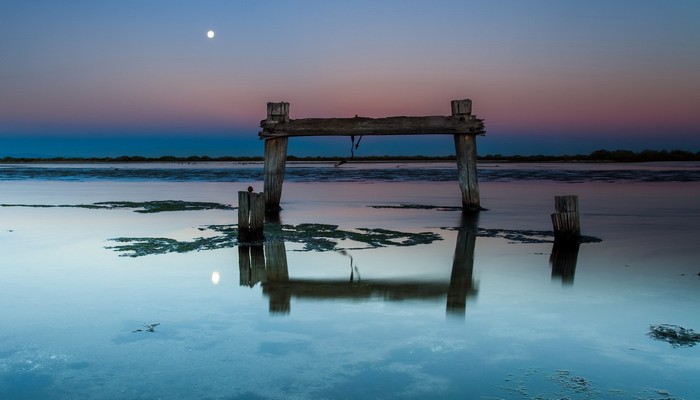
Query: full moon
{"points": [[210, 34]]}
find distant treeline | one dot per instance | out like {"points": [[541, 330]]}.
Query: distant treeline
{"points": [[605, 155], [596, 156]]}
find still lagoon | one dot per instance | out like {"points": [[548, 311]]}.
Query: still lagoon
{"points": [[375, 285]]}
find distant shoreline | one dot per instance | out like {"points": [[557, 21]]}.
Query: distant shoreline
{"points": [[615, 156]]}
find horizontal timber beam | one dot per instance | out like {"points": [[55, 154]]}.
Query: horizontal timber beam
{"points": [[359, 126]]}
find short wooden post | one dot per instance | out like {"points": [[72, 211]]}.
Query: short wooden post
{"points": [[275, 157], [565, 219], [251, 217], [465, 148]]}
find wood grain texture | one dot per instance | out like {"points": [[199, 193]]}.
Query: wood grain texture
{"points": [[362, 126]]}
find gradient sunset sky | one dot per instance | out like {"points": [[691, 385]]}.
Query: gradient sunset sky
{"points": [[111, 78]]}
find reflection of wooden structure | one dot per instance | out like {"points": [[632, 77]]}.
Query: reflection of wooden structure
{"points": [[563, 260], [267, 265], [461, 282], [277, 128]]}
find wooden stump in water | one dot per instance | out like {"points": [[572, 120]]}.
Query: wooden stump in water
{"points": [[565, 219], [251, 217]]}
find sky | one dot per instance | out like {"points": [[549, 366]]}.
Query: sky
{"points": [[140, 77]]}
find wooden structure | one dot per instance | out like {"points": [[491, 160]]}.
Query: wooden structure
{"points": [[251, 216], [277, 128], [565, 220], [567, 235]]}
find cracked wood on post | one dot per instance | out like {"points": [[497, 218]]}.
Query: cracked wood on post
{"points": [[358, 126]]}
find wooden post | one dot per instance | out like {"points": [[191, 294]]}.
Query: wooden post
{"points": [[251, 217], [465, 148], [565, 219], [275, 157]]}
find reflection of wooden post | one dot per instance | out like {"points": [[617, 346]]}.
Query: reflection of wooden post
{"points": [[565, 220], [275, 157], [277, 272], [251, 216], [251, 265], [563, 260], [465, 148], [461, 282]]}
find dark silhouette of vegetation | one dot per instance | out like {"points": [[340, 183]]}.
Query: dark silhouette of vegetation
{"points": [[596, 156], [604, 156]]}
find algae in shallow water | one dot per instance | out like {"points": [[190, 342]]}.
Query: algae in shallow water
{"points": [[315, 237], [144, 207], [523, 236], [676, 336]]}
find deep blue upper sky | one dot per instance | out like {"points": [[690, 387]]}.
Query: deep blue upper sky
{"points": [[98, 78]]}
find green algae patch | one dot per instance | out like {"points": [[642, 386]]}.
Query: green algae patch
{"points": [[149, 207], [419, 207], [676, 336], [314, 237], [522, 236], [144, 207], [324, 237]]}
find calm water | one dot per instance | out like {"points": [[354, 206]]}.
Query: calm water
{"points": [[473, 315]]}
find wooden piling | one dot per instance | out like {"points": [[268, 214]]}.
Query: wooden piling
{"points": [[275, 157], [465, 150], [565, 219], [251, 217]]}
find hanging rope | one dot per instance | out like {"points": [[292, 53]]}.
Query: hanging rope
{"points": [[353, 145]]}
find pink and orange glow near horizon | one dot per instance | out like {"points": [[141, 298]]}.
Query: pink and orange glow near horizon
{"points": [[585, 72]]}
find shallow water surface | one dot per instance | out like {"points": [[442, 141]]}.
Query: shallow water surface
{"points": [[473, 315]]}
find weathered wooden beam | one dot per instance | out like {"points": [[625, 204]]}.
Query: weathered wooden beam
{"points": [[362, 126]]}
